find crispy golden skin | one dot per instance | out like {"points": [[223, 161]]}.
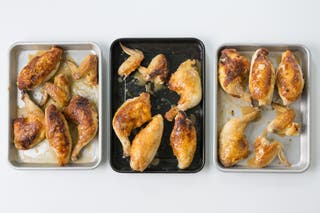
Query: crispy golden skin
{"points": [[290, 80], [29, 131], [283, 123], [157, 70], [85, 116], [266, 152], [131, 114], [58, 134], [233, 144], [187, 83], [262, 77], [40, 69], [146, 143], [58, 91], [132, 63], [183, 140], [233, 70], [88, 68]]}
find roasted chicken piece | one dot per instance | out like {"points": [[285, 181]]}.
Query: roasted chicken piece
{"points": [[40, 69], [58, 91], [157, 70], [88, 68], [183, 140], [283, 123], [58, 134], [30, 130], [290, 80], [132, 63], [265, 153], [233, 144], [187, 83], [146, 143], [233, 70], [85, 116], [262, 77], [131, 114]]}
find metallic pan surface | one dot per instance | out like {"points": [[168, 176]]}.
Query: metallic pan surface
{"points": [[296, 148], [18, 57]]}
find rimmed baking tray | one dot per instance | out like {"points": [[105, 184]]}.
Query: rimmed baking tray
{"points": [[42, 156], [297, 149], [176, 50]]}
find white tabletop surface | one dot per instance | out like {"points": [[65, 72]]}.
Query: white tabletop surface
{"points": [[214, 22]]}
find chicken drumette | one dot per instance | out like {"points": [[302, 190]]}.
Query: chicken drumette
{"points": [[156, 71]]}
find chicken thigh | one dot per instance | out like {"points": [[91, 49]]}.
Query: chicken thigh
{"points": [[132, 63], [290, 80], [262, 77], [146, 143], [187, 83], [157, 70], [131, 114], [88, 68]]}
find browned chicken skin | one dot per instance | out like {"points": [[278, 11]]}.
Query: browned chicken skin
{"points": [[262, 77], [29, 131], [283, 123], [146, 143], [233, 70], [187, 83], [157, 70], [88, 68], [233, 144], [58, 134], [132, 63], [58, 91], [131, 114], [85, 116], [183, 140], [290, 80], [40, 69]]}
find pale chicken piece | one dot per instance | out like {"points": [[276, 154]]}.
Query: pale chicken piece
{"points": [[85, 116], [58, 134], [262, 77], [233, 70], [266, 152], [187, 83], [131, 114], [30, 130], [233, 144], [58, 91], [146, 143], [40, 69], [157, 70], [183, 140], [132, 63], [284, 124], [290, 80], [88, 68]]}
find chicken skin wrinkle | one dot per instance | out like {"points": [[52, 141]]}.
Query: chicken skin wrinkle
{"points": [[157, 70], [88, 68], [132, 63]]}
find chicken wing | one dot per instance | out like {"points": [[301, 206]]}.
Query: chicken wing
{"points": [[290, 80], [157, 70], [29, 131], [146, 143], [132, 63], [88, 68], [131, 114], [262, 77], [85, 116], [233, 70], [233, 144], [265, 153], [40, 69], [58, 134], [183, 140], [283, 123], [58, 91], [187, 83]]}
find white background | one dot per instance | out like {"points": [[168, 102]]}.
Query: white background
{"points": [[214, 22]]}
